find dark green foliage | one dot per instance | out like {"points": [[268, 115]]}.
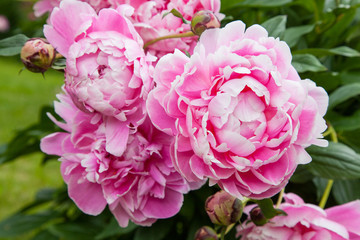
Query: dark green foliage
{"points": [[28, 140], [324, 37], [12, 46], [337, 161]]}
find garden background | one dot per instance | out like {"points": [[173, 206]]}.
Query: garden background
{"points": [[22, 95], [324, 36]]}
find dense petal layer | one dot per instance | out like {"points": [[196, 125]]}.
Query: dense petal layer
{"points": [[240, 113], [104, 162]]}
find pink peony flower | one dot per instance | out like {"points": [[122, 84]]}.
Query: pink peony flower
{"points": [[307, 221], [140, 184], [43, 6], [150, 23], [240, 112], [107, 70], [149, 20]]}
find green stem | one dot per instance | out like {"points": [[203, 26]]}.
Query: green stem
{"points": [[326, 194], [180, 35], [228, 228], [281, 195], [330, 182], [223, 232], [333, 134], [245, 201], [327, 132], [316, 16]]}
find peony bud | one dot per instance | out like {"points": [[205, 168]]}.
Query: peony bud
{"points": [[257, 217], [205, 233], [4, 24], [223, 209], [203, 20], [37, 55]]}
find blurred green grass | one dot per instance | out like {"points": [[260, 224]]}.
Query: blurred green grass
{"points": [[21, 97]]}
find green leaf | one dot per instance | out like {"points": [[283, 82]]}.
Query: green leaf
{"points": [[59, 64], [301, 175], [328, 80], [350, 77], [44, 235], [308, 4], [177, 14], [225, 4], [292, 35], [21, 223], [74, 231], [12, 45], [351, 138], [341, 51], [275, 26], [307, 63], [28, 140], [337, 161], [157, 231], [113, 229], [346, 190], [344, 123], [345, 51], [335, 33], [267, 208], [343, 93], [349, 64]]}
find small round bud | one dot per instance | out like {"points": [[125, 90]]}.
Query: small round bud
{"points": [[203, 20], [257, 217], [37, 55], [4, 24], [205, 233], [223, 209]]}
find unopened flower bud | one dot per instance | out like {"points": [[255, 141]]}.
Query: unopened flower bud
{"points": [[4, 24], [223, 209], [37, 55], [203, 20], [205, 233], [257, 217]]}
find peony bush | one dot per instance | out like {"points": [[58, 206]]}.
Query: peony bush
{"points": [[168, 106]]}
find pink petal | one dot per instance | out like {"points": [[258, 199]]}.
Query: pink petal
{"points": [[158, 115], [64, 30], [117, 134], [87, 196], [348, 215], [50, 144], [164, 208]]}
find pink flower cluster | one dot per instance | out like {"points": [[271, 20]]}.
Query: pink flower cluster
{"points": [[240, 113], [307, 221], [43, 6], [107, 70], [139, 184], [149, 21], [111, 154], [235, 112]]}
